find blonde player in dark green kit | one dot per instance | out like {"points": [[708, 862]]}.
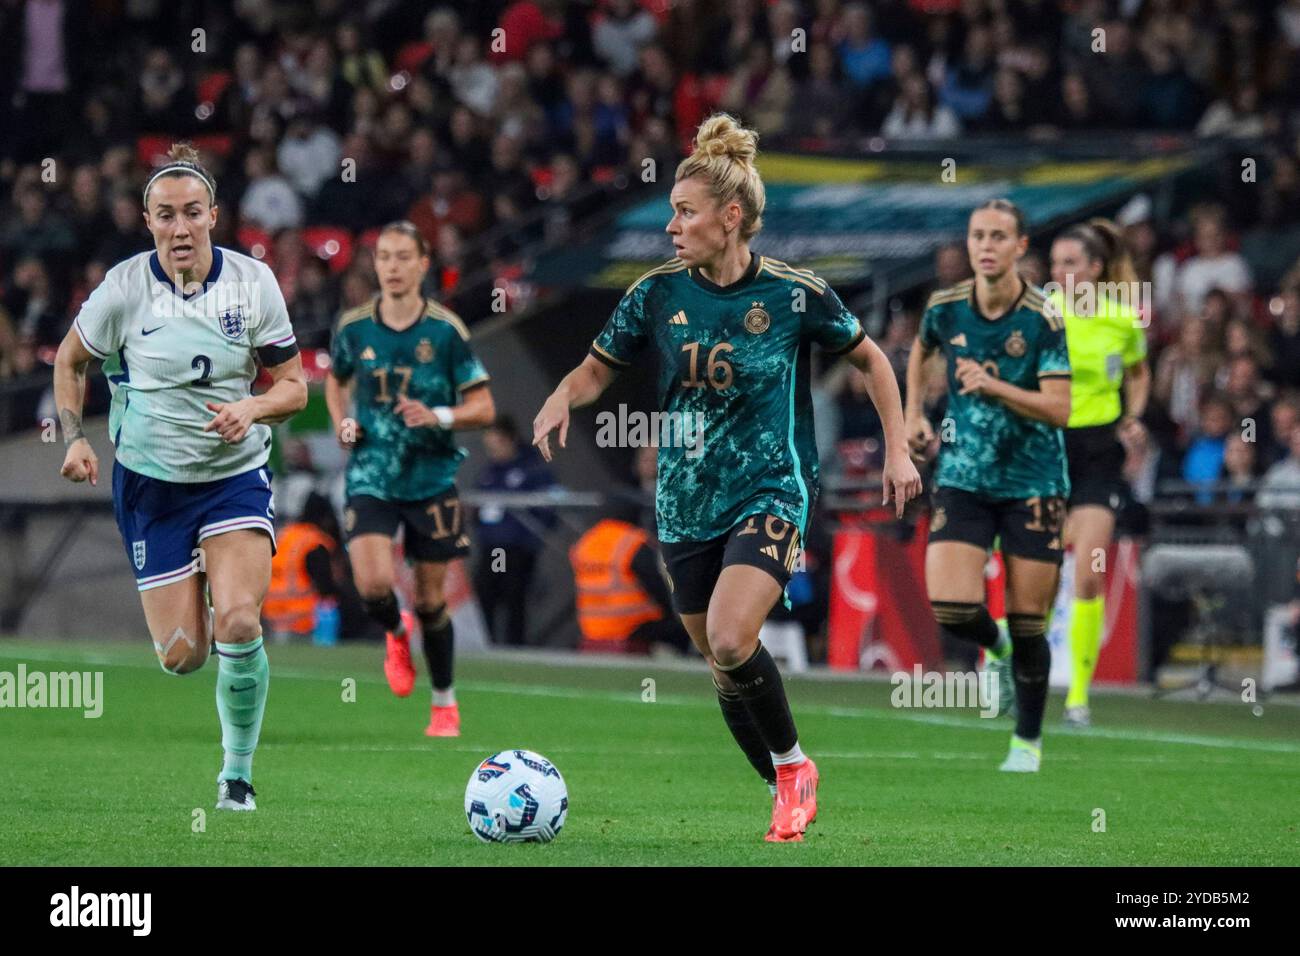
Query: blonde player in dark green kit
{"points": [[1096, 288], [405, 362], [733, 330], [1001, 470]]}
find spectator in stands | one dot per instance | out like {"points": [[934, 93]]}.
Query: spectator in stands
{"points": [[358, 65], [1183, 371], [1239, 382], [864, 56], [269, 202], [514, 112], [1238, 468], [1236, 116], [620, 33], [1280, 486], [1212, 266], [1284, 417], [1007, 111], [315, 304], [760, 89], [507, 539], [1145, 464], [1285, 338], [1203, 462], [87, 216], [36, 230], [163, 106], [309, 155], [968, 84], [449, 201], [127, 235], [473, 80], [30, 302], [526, 22], [915, 115], [1079, 113], [320, 86], [818, 107]]}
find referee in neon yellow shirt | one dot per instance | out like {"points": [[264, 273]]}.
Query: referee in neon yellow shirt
{"points": [[1097, 292]]}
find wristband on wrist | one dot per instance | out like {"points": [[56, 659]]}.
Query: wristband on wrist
{"points": [[444, 415]]}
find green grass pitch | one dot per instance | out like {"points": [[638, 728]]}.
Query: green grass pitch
{"points": [[357, 783]]}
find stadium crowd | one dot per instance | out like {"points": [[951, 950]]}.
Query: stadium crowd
{"points": [[322, 120]]}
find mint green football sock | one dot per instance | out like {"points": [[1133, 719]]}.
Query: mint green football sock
{"points": [[243, 677]]}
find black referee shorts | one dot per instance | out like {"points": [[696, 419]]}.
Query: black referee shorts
{"points": [[1096, 466]]}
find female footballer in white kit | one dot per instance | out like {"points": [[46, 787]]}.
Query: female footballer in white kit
{"points": [[181, 331]]}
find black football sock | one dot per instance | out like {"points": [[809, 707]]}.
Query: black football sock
{"points": [[1031, 661], [759, 684], [968, 622], [743, 728], [385, 611], [438, 645]]}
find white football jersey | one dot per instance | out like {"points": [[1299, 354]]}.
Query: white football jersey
{"points": [[167, 356]]}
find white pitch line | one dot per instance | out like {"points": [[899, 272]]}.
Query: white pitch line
{"points": [[634, 697]]}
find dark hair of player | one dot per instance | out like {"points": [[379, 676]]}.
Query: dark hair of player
{"points": [[182, 160], [1007, 206], [1103, 242], [404, 227]]}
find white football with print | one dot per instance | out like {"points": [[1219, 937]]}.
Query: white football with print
{"points": [[516, 796]]}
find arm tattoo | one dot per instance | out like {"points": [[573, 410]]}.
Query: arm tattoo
{"points": [[71, 425]]}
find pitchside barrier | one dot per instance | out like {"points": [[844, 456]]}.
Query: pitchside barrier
{"points": [[879, 616]]}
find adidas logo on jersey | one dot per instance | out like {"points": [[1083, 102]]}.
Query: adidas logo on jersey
{"points": [[367, 354], [958, 340], [678, 319], [772, 552]]}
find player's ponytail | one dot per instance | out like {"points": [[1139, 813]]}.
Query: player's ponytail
{"points": [[724, 155], [1118, 264], [182, 160]]}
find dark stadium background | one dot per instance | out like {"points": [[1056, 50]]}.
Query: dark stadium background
{"points": [[525, 169]]}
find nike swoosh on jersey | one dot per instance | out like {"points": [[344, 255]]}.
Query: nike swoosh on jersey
{"points": [[144, 331]]}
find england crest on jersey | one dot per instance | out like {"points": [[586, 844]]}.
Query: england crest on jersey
{"points": [[232, 322], [137, 554]]}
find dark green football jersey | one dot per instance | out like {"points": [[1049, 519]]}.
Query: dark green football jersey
{"points": [[430, 362], [986, 447], [734, 370]]}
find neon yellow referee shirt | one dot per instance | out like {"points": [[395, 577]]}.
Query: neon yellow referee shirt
{"points": [[1101, 347]]}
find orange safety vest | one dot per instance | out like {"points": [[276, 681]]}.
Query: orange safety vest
{"points": [[290, 604], [611, 602]]}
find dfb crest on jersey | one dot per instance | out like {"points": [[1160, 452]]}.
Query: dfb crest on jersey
{"points": [[232, 322], [137, 554], [424, 351], [1016, 345]]}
